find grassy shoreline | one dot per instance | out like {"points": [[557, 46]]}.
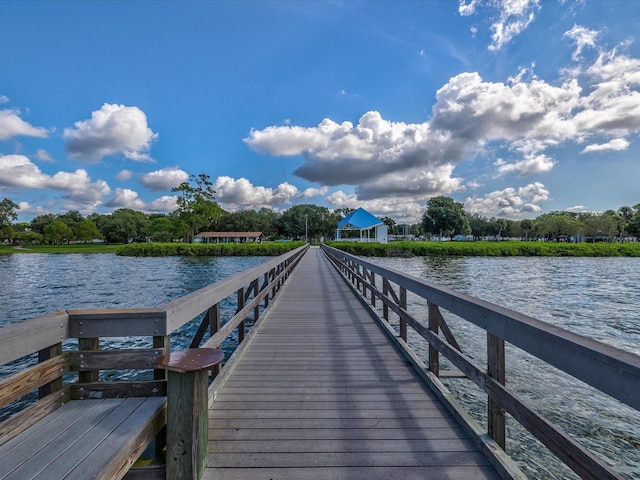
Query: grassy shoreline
{"points": [[58, 249], [271, 249], [395, 249], [489, 249]]}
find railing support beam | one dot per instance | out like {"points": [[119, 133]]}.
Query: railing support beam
{"points": [[496, 370]]}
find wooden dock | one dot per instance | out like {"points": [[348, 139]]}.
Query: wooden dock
{"points": [[319, 391], [324, 384]]}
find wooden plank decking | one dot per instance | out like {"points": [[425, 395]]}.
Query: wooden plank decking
{"points": [[78, 440], [320, 393]]}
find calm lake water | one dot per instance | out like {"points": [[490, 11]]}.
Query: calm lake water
{"points": [[598, 298]]}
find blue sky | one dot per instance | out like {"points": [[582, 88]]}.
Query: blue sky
{"points": [[512, 107]]}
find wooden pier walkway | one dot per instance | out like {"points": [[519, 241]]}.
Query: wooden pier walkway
{"points": [[319, 392], [321, 387]]}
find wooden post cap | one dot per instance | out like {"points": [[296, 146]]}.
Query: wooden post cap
{"points": [[190, 360]]}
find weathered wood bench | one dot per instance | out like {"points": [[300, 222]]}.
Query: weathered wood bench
{"points": [[79, 426], [83, 439]]}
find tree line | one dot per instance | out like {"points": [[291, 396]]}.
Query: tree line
{"points": [[445, 217], [197, 211], [126, 225]]}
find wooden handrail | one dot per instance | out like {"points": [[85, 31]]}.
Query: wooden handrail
{"points": [[45, 335], [24, 338], [610, 370], [185, 308]]}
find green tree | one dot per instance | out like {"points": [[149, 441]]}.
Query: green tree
{"points": [[124, 225], [444, 216], [311, 220], [72, 219], [8, 215], [58, 232], [500, 227], [600, 226], [162, 229], [263, 220], [526, 226], [39, 222], [87, 230], [28, 237], [478, 225], [196, 204], [633, 227], [553, 225]]}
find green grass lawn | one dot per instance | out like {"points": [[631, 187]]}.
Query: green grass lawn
{"points": [[73, 248], [490, 249]]}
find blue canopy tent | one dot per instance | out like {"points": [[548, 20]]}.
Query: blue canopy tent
{"points": [[366, 224]]}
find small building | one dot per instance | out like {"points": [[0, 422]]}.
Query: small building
{"points": [[229, 237], [369, 228]]}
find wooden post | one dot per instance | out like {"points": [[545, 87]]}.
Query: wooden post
{"points": [[279, 282], [403, 321], [187, 410], [385, 292], [372, 277], [240, 307], [256, 290], [46, 354], [88, 344], [496, 370], [434, 355], [163, 342], [215, 322], [365, 276], [266, 282]]}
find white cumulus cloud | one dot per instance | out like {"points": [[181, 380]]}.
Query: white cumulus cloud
{"points": [[401, 210], [472, 118], [11, 125], [509, 202], [313, 192], [112, 130], [241, 194], [124, 175], [616, 144], [164, 179], [534, 164], [163, 204], [44, 156], [346, 154], [78, 191], [127, 198]]}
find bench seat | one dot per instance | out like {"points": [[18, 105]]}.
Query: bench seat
{"points": [[84, 439]]}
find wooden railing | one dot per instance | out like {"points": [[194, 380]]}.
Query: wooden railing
{"points": [[608, 369], [61, 370]]}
